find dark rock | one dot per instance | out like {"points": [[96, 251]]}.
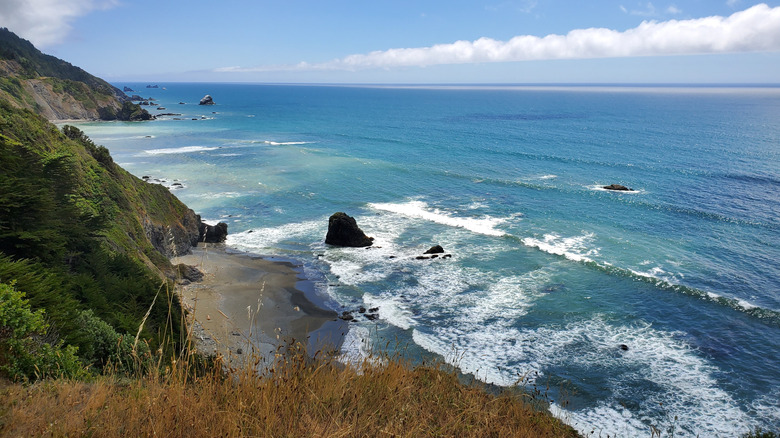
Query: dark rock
{"points": [[152, 86], [446, 256], [187, 272], [239, 351], [437, 249], [434, 256], [371, 316], [344, 231], [160, 108], [624, 347], [346, 316], [373, 309], [207, 100], [127, 89], [145, 177], [422, 258], [362, 309], [391, 257], [182, 103], [616, 187], [173, 239], [136, 97], [213, 233]]}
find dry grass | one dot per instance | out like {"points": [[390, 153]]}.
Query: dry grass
{"points": [[297, 397]]}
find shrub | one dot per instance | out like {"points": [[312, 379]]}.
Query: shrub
{"points": [[23, 353]]}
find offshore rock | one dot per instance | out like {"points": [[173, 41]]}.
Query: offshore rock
{"points": [[344, 231], [128, 89], [616, 187], [213, 233], [436, 249], [207, 100]]}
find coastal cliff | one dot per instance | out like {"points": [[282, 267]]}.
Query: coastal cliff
{"points": [[86, 241], [56, 89]]}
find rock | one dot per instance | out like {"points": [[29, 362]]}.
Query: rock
{"points": [[187, 272], [347, 316], [344, 231], [624, 347], [371, 316], [182, 103], [152, 86], [160, 108], [239, 351], [421, 258], [362, 309], [127, 89], [374, 309], [207, 100], [617, 187], [446, 256], [136, 97], [437, 249], [213, 233]]}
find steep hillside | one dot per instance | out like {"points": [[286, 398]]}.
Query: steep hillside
{"points": [[87, 241], [57, 89]]}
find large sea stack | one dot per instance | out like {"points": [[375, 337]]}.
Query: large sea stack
{"points": [[207, 100], [344, 231]]}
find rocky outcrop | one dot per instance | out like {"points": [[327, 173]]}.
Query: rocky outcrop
{"points": [[212, 233], [436, 249], [344, 231], [173, 239], [207, 100], [186, 274], [127, 89], [617, 187]]}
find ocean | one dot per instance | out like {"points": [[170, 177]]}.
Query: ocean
{"points": [[657, 307]]}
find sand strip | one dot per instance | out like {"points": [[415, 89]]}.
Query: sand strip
{"points": [[248, 304]]}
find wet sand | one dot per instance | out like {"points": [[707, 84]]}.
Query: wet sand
{"points": [[251, 306]]}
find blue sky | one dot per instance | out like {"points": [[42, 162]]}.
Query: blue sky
{"points": [[423, 41]]}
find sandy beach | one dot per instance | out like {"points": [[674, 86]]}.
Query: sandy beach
{"points": [[248, 306]]}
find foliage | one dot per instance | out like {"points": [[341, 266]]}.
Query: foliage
{"points": [[24, 355], [71, 237]]}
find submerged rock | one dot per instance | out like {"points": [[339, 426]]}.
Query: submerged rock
{"points": [[207, 100], [616, 187], [213, 233], [344, 231]]}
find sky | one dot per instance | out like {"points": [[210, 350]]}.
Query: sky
{"points": [[402, 41]]}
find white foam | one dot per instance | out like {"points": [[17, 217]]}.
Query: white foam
{"points": [[356, 346], [573, 248], [684, 380], [548, 177], [285, 143], [419, 210], [261, 240], [181, 150], [391, 309]]}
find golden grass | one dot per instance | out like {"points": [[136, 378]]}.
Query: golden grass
{"points": [[297, 397]]}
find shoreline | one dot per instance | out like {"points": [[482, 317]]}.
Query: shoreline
{"points": [[249, 307]]}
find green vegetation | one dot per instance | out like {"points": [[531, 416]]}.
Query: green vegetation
{"points": [[72, 237], [20, 62]]}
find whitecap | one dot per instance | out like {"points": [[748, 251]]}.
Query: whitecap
{"points": [[419, 210], [573, 248], [285, 143], [181, 150]]}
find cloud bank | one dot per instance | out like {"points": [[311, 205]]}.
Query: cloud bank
{"points": [[46, 22], [752, 30]]}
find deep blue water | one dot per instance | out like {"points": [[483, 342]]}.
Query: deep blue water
{"points": [[549, 274]]}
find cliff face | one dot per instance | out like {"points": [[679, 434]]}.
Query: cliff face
{"points": [[55, 88]]}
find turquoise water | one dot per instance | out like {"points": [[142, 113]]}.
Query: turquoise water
{"points": [[549, 274]]}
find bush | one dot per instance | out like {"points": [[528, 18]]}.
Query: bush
{"points": [[23, 353]]}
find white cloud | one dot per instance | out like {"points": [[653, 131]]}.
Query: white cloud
{"points": [[46, 22], [752, 30], [733, 3]]}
